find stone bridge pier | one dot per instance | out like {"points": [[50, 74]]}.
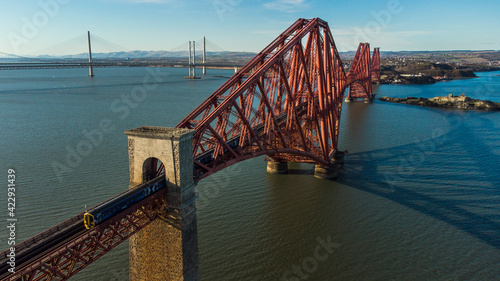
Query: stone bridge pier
{"points": [[167, 249]]}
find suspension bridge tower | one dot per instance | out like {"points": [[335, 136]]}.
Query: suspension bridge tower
{"points": [[192, 61], [91, 69], [204, 56]]}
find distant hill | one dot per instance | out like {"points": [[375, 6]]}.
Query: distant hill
{"points": [[151, 54], [139, 54], [460, 57]]}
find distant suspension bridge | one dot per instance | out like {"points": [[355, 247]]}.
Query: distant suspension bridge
{"points": [[180, 56]]}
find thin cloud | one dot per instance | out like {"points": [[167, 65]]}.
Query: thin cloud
{"points": [[287, 6], [348, 39], [275, 32], [411, 32], [367, 32], [146, 1]]}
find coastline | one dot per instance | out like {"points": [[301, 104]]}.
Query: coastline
{"points": [[421, 72]]}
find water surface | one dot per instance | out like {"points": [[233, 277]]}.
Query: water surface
{"points": [[418, 198]]}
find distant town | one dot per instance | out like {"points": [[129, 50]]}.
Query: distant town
{"points": [[431, 67]]}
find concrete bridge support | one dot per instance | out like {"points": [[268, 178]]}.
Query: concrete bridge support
{"points": [[330, 172], [168, 248], [369, 100], [275, 167], [325, 172]]}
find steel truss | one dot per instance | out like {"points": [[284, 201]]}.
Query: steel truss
{"points": [[73, 255], [285, 103], [359, 78], [376, 65]]}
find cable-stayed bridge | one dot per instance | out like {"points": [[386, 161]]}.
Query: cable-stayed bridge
{"points": [[80, 52]]}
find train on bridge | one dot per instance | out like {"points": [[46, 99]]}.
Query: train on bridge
{"points": [[36, 248]]}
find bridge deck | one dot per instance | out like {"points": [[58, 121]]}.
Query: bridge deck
{"points": [[141, 63], [30, 253]]}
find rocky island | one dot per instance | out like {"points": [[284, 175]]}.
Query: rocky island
{"points": [[450, 101]]}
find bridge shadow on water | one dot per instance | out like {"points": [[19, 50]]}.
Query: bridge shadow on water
{"points": [[453, 177]]}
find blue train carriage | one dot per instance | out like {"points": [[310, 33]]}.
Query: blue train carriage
{"points": [[124, 201], [207, 157]]}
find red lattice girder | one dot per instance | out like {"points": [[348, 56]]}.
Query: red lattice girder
{"points": [[376, 65], [82, 246], [285, 103], [359, 78]]}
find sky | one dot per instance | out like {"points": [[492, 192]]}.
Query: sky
{"points": [[37, 27]]}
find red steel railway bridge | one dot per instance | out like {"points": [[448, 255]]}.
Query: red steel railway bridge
{"points": [[285, 103]]}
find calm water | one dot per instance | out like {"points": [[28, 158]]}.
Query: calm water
{"points": [[418, 199]]}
